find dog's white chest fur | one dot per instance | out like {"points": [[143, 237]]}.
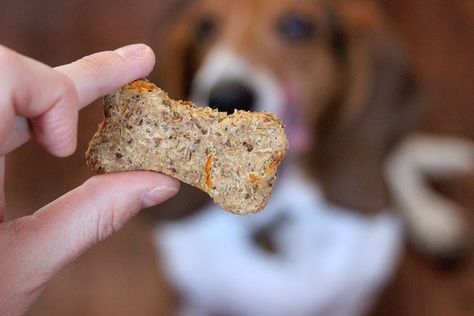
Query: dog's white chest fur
{"points": [[330, 261]]}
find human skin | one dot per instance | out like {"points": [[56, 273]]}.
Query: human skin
{"points": [[40, 102]]}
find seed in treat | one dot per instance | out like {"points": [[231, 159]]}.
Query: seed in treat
{"points": [[248, 146], [157, 141]]}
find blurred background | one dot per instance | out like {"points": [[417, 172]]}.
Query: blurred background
{"points": [[122, 276]]}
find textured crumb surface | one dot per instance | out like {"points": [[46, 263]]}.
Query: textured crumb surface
{"points": [[234, 158]]}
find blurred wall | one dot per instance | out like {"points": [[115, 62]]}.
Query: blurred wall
{"points": [[439, 38]]}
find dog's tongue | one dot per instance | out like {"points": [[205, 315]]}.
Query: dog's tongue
{"points": [[298, 134], [298, 139]]}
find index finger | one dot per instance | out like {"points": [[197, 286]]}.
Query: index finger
{"points": [[91, 77], [98, 74]]}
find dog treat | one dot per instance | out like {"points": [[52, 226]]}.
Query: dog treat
{"points": [[234, 158]]}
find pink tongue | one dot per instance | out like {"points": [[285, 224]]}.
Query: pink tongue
{"points": [[298, 138]]}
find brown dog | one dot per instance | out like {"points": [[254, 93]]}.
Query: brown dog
{"points": [[335, 74]]}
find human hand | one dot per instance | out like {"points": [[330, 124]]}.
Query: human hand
{"points": [[42, 102]]}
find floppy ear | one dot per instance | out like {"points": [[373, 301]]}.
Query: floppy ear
{"points": [[175, 64], [377, 103]]}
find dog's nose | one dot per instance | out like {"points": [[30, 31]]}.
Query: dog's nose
{"points": [[229, 95]]}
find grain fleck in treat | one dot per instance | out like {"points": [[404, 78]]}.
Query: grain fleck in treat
{"points": [[234, 158]]}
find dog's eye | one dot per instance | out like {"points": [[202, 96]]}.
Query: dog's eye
{"points": [[296, 27], [205, 29]]}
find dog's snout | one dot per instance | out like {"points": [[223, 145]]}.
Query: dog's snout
{"points": [[229, 95]]}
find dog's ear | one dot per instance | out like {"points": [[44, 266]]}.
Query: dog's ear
{"points": [[175, 54], [360, 40], [377, 103]]}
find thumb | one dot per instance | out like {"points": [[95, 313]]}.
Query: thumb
{"points": [[37, 246]]}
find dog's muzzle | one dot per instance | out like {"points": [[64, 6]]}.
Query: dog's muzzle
{"points": [[227, 81], [232, 94]]}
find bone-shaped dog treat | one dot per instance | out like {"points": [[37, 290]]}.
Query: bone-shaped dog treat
{"points": [[234, 158]]}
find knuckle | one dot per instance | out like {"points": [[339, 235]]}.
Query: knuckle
{"points": [[70, 91], [66, 92], [111, 215], [23, 225], [67, 86], [96, 61], [108, 222], [89, 61]]}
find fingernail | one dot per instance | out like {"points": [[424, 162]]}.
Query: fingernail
{"points": [[134, 52], [158, 195]]}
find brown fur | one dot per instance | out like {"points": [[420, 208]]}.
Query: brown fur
{"points": [[344, 98], [358, 95]]}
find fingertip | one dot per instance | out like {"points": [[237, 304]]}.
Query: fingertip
{"points": [[157, 195], [140, 54], [100, 73], [136, 52], [166, 188], [65, 150], [165, 180], [56, 130], [62, 142]]}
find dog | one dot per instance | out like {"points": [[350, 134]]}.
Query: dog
{"points": [[354, 113]]}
